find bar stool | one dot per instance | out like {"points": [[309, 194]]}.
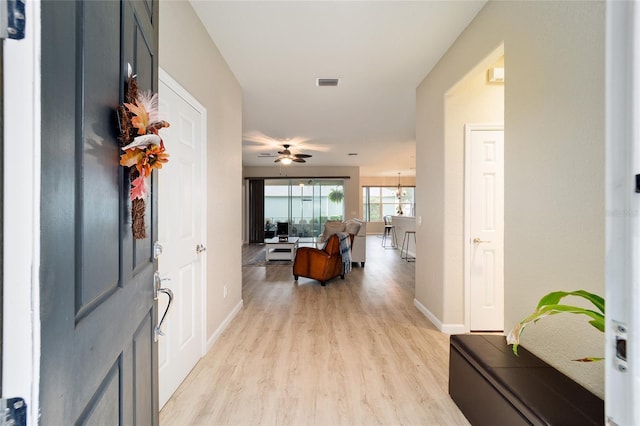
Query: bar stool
{"points": [[405, 256], [389, 234]]}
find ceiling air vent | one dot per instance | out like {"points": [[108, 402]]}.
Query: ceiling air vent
{"points": [[320, 82], [266, 155]]}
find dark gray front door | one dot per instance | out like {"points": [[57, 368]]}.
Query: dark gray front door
{"points": [[98, 356]]}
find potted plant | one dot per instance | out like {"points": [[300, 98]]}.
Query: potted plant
{"points": [[336, 195]]}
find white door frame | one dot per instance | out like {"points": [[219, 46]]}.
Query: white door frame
{"points": [[468, 128], [22, 140], [171, 83], [622, 218]]}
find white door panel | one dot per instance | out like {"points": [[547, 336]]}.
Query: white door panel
{"points": [[485, 229], [181, 228]]}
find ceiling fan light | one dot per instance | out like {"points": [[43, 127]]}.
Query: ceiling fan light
{"points": [[286, 161]]}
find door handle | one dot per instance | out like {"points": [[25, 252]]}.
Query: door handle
{"points": [[157, 282], [158, 330], [200, 248], [477, 240]]}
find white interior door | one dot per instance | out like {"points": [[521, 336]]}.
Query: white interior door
{"points": [[485, 230], [182, 233]]}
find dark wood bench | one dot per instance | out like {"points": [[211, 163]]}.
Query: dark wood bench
{"points": [[492, 386]]}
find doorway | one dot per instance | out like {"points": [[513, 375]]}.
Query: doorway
{"points": [[473, 99], [484, 227]]}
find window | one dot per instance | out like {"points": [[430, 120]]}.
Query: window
{"points": [[306, 204], [380, 201]]}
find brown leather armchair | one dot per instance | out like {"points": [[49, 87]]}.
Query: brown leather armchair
{"points": [[319, 264]]}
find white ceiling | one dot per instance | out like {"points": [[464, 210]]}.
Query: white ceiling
{"points": [[380, 51]]}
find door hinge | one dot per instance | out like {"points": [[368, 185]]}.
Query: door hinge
{"points": [[12, 19], [14, 412]]}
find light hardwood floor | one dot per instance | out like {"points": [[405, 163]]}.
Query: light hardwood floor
{"points": [[356, 352]]}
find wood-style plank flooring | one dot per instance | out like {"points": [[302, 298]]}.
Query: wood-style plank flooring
{"points": [[356, 352]]}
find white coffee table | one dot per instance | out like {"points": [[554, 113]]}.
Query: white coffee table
{"points": [[281, 250]]}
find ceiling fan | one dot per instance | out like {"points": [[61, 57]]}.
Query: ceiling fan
{"points": [[286, 157]]}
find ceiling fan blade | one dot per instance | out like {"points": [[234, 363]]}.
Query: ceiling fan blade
{"points": [[277, 160], [302, 155], [298, 160]]}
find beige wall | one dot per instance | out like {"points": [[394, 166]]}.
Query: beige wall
{"points": [[190, 57], [554, 171], [387, 180], [352, 197]]}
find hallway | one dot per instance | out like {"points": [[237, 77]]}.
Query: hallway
{"points": [[356, 352]]}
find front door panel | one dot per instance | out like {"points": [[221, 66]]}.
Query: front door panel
{"points": [[99, 361]]}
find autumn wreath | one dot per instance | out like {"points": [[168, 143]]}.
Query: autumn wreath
{"points": [[142, 145]]}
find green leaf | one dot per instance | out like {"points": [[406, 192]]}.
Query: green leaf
{"points": [[555, 297], [549, 305]]}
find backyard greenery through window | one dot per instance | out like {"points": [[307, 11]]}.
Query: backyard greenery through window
{"points": [[306, 204]]}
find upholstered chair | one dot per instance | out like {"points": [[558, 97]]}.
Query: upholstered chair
{"points": [[319, 264]]}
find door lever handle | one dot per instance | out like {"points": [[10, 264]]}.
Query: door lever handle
{"points": [[157, 282], [158, 330], [200, 248], [477, 240]]}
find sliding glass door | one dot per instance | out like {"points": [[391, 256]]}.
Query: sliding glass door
{"points": [[305, 204]]}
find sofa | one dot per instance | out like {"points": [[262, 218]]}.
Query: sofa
{"points": [[355, 227]]}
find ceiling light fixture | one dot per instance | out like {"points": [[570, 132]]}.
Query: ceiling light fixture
{"points": [[400, 192], [286, 157]]}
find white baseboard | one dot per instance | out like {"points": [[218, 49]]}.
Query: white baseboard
{"points": [[223, 326], [444, 328]]}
